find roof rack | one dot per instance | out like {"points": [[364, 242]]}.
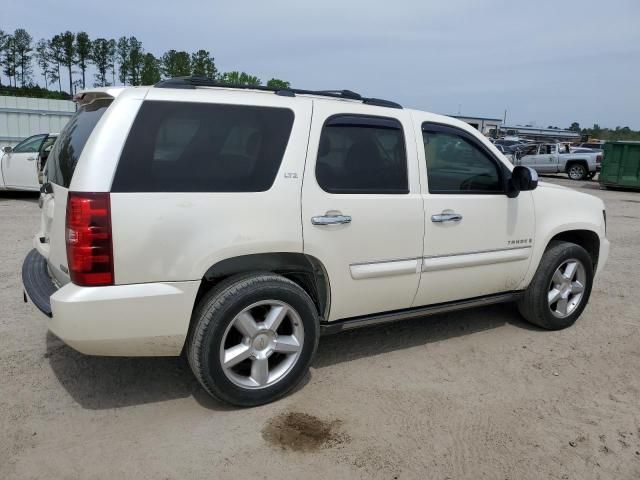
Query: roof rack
{"points": [[193, 82]]}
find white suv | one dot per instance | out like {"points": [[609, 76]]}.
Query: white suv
{"points": [[238, 225]]}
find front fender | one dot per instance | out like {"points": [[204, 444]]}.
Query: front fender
{"points": [[559, 210]]}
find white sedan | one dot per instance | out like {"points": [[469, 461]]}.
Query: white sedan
{"points": [[21, 165]]}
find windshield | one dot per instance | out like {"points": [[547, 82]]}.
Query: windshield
{"points": [[67, 150]]}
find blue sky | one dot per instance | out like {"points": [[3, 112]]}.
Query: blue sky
{"points": [[545, 62]]}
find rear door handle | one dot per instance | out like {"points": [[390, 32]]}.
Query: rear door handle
{"points": [[446, 217], [31, 159], [330, 219]]}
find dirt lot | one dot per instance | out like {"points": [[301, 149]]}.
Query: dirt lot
{"points": [[478, 394]]}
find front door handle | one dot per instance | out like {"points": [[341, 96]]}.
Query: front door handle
{"points": [[446, 217], [330, 219], [31, 159]]}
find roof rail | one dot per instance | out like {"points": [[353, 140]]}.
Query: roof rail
{"points": [[194, 81]]}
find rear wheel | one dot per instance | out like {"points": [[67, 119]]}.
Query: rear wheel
{"points": [[560, 289], [253, 339], [577, 171]]}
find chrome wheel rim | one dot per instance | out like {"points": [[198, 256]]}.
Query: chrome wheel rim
{"points": [[261, 344], [576, 172], [566, 288]]}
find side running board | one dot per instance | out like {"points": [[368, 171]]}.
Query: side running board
{"points": [[328, 328]]}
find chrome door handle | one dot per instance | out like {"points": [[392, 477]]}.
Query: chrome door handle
{"points": [[446, 217], [330, 219]]}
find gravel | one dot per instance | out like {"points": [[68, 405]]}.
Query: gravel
{"points": [[474, 394]]}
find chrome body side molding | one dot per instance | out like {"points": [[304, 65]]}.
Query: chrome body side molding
{"points": [[403, 266], [472, 259]]}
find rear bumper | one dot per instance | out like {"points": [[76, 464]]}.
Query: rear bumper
{"points": [[147, 319]]}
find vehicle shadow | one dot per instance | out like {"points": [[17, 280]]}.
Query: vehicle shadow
{"points": [[365, 342], [98, 383]]}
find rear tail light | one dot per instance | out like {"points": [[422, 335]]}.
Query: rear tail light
{"points": [[598, 158], [88, 238]]}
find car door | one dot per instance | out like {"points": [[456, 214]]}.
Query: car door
{"points": [[20, 166], [528, 156], [362, 212], [477, 240], [547, 159]]}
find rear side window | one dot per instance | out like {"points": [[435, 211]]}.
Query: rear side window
{"points": [[66, 151], [359, 154], [203, 147]]}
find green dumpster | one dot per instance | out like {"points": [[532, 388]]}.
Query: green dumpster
{"points": [[621, 165]]}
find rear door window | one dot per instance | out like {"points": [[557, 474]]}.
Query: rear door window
{"points": [[203, 147], [361, 155], [64, 156]]}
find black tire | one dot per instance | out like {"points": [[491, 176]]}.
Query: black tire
{"points": [[577, 171], [211, 319], [534, 304]]}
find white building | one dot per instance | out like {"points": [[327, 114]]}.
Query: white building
{"points": [[21, 117], [483, 124]]}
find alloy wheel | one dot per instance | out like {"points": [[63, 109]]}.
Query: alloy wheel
{"points": [[566, 288], [261, 344]]}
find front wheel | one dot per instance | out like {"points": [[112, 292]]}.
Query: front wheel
{"points": [[560, 289], [253, 339], [577, 171]]}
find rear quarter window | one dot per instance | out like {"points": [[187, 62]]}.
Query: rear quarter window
{"points": [[64, 156], [203, 147]]}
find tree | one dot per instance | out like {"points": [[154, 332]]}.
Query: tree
{"points": [[43, 59], [9, 59], [575, 127], [67, 42], [202, 64], [176, 64], [122, 57], [135, 61], [150, 72], [24, 46], [596, 131], [56, 55], [277, 83], [3, 43], [240, 78], [100, 58], [112, 59], [83, 53]]}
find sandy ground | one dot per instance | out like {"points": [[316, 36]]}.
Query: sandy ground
{"points": [[478, 394]]}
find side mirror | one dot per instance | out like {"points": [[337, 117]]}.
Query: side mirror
{"points": [[7, 149], [522, 179]]}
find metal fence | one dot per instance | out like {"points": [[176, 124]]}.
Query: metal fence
{"points": [[22, 117]]}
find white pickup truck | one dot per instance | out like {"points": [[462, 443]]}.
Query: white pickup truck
{"points": [[556, 158]]}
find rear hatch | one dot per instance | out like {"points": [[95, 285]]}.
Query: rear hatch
{"points": [[62, 162]]}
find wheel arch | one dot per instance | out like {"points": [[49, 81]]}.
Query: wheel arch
{"points": [[581, 233], [573, 161], [305, 270], [587, 239]]}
